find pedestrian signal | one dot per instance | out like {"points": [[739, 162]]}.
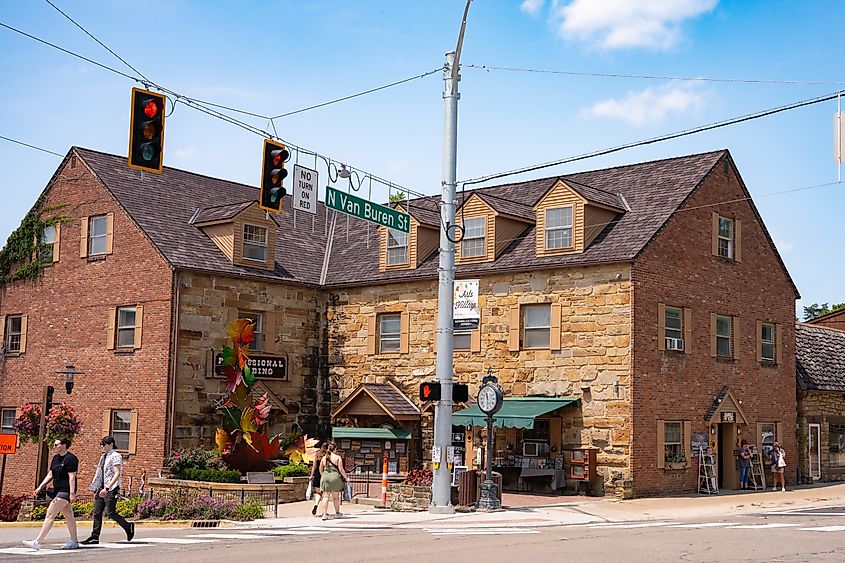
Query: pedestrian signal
{"points": [[430, 391]]}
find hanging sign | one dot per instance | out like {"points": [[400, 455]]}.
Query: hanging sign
{"points": [[304, 188], [727, 417], [466, 313]]}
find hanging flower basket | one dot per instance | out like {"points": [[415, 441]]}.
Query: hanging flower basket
{"points": [[26, 424], [62, 422]]}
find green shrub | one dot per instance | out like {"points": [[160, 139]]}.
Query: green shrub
{"points": [[212, 475], [250, 509], [83, 510], [193, 458], [292, 470], [128, 506]]}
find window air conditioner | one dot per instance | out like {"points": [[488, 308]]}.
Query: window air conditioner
{"points": [[530, 449], [674, 343]]}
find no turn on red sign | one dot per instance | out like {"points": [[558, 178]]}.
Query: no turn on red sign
{"points": [[8, 443]]}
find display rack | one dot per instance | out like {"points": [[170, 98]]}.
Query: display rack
{"points": [[707, 482], [758, 475]]}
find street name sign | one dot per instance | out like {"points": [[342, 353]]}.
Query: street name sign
{"points": [[367, 210], [305, 189]]}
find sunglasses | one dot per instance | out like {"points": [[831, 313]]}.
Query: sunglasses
{"points": [[57, 444]]}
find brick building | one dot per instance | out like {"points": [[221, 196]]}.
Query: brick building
{"points": [[649, 300]]}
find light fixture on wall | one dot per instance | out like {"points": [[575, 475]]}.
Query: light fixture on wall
{"points": [[713, 430]]}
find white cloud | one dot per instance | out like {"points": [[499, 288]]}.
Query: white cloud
{"points": [[617, 24], [533, 7], [650, 105], [185, 153]]}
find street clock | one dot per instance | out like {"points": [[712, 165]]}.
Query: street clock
{"points": [[489, 399]]}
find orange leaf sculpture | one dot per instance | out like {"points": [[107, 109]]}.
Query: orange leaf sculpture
{"points": [[222, 440], [241, 331], [303, 450], [262, 410]]}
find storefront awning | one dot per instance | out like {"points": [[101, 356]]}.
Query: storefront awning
{"points": [[371, 433], [516, 412]]}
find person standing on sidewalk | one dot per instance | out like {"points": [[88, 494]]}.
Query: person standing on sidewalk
{"points": [[744, 464], [315, 478], [778, 466], [331, 482], [105, 486], [62, 473]]}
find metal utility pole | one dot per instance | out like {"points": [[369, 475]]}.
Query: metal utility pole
{"points": [[442, 483]]}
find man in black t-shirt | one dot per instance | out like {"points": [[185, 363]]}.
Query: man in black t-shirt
{"points": [[62, 473]]}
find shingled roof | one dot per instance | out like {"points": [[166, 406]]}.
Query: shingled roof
{"points": [[820, 358], [164, 206]]}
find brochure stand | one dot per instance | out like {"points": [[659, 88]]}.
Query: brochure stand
{"points": [[707, 482]]}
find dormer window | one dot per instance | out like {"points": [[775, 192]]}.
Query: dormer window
{"points": [[397, 247], [473, 242], [559, 227], [255, 243]]}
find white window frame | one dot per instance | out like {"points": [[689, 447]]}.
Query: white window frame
{"points": [[11, 334], [535, 329], [118, 433], [555, 229], [97, 238], [677, 447], [672, 332], [836, 450], [770, 342], [471, 235], [724, 337], [4, 413], [254, 241], [390, 339], [48, 239], [125, 329], [258, 332], [397, 247], [725, 243]]}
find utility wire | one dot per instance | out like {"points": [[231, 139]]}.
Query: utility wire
{"points": [[30, 146], [370, 91], [658, 77], [666, 137]]}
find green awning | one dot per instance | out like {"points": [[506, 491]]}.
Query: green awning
{"points": [[371, 433], [516, 412]]}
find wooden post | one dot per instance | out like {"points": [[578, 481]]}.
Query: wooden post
{"points": [[43, 453], [2, 474]]}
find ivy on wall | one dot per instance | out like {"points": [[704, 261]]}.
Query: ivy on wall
{"points": [[23, 257]]}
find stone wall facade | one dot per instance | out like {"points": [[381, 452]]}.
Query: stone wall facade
{"points": [[678, 269], [294, 327], [592, 363], [67, 311], [823, 408]]}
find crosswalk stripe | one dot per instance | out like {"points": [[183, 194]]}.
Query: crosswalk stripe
{"points": [[825, 529], [172, 540], [615, 526], [113, 545], [228, 536], [705, 525], [761, 526], [293, 532], [29, 551], [480, 532]]}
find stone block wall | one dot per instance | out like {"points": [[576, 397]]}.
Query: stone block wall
{"points": [[592, 364], [823, 408], [294, 326]]}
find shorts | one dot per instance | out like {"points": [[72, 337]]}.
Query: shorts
{"points": [[53, 494], [776, 469]]}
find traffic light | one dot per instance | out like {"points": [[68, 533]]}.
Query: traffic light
{"points": [[430, 391], [273, 175], [146, 131], [460, 393]]}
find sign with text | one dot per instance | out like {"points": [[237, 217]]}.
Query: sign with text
{"points": [[304, 187], [467, 315], [265, 367], [367, 210], [8, 443]]}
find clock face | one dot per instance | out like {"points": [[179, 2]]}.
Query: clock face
{"points": [[487, 399]]}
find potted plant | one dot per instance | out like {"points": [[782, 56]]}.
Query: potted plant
{"points": [[27, 423]]}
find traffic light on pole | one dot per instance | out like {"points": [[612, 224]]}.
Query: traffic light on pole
{"points": [[430, 391], [146, 131], [273, 174]]}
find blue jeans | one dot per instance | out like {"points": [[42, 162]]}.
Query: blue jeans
{"points": [[744, 474]]}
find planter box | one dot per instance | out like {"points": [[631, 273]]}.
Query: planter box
{"points": [[676, 465]]}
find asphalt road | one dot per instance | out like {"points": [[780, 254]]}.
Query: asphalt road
{"points": [[793, 535]]}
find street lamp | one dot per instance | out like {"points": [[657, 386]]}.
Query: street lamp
{"points": [[46, 404]]}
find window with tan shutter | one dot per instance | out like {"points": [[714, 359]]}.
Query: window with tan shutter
{"points": [[389, 332], [97, 235], [767, 342], [122, 425], [724, 338], [536, 325], [7, 420], [258, 332], [48, 252], [125, 327]]}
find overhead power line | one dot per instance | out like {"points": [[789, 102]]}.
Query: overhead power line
{"points": [[30, 146], [666, 137], [660, 77]]}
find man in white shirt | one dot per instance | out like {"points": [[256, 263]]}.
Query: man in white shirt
{"points": [[105, 486]]}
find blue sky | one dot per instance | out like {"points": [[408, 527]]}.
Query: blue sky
{"points": [[272, 57]]}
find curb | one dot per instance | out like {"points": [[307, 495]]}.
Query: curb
{"points": [[203, 524]]}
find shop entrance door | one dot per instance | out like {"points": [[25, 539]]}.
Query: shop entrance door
{"points": [[728, 477], [814, 453]]}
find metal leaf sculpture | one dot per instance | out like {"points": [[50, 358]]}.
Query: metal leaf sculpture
{"points": [[303, 450]]}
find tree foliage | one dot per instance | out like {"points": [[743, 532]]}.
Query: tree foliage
{"points": [[816, 310]]}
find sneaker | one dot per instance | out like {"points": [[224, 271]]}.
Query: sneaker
{"points": [[33, 544], [783, 489], [131, 533], [314, 510], [71, 545], [774, 489], [90, 541]]}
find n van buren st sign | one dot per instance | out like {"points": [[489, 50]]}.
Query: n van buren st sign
{"points": [[367, 210]]}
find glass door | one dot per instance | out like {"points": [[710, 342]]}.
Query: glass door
{"points": [[814, 445]]}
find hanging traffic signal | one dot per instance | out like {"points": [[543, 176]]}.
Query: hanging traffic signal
{"points": [[146, 131], [273, 175], [430, 391]]}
